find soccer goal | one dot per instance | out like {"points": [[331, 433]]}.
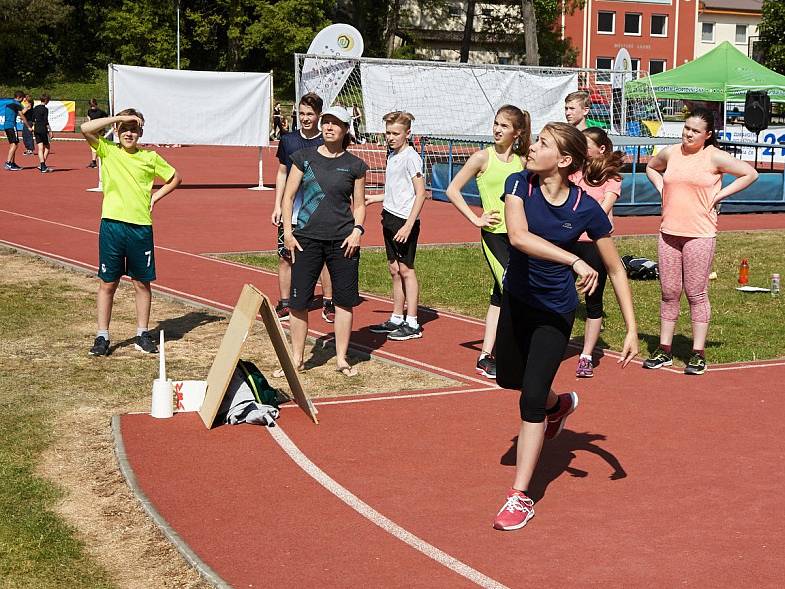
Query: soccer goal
{"points": [[454, 104]]}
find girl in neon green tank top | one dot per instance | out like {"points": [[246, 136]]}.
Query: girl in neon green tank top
{"points": [[491, 167]]}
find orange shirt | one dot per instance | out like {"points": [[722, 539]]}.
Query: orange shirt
{"points": [[596, 192], [690, 183]]}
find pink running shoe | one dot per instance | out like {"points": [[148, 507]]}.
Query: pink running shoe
{"points": [[568, 402], [516, 511], [585, 368]]}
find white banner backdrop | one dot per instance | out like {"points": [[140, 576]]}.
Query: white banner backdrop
{"points": [[195, 108], [452, 101]]}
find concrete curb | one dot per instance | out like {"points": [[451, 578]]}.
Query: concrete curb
{"points": [[189, 555]]}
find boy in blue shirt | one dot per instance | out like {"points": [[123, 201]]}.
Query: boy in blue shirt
{"points": [[12, 110]]}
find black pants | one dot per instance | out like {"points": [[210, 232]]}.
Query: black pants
{"points": [[588, 252], [530, 345], [308, 264]]}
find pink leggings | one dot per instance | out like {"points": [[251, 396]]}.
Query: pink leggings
{"points": [[685, 263]]}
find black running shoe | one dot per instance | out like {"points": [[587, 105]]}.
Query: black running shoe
{"points": [[100, 347], [659, 359], [487, 366], [404, 332], [146, 343], [696, 365], [386, 327]]}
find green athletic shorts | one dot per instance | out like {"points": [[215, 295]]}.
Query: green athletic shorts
{"points": [[125, 248]]}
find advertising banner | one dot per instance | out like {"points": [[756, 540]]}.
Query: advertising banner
{"points": [[195, 108]]}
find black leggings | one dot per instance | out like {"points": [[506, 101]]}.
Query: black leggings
{"points": [[588, 252], [530, 345]]}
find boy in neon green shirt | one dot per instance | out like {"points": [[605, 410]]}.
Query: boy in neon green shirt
{"points": [[125, 240]]}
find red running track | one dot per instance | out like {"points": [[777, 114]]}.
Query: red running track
{"points": [[695, 497]]}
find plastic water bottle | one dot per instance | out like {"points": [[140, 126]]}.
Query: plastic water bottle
{"points": [[775, 285], [744, 272]]}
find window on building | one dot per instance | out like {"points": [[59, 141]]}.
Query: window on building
{"points": [[604, 63], [504, 60], [741, 34], [707, 32], [606, 22], [659, 25], [632, 23], [635, 64], [656, 66], [454, 11]]}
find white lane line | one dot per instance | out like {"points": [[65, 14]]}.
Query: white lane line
{"points": [[211, 302], [372, 297], [368, 512], [396, 396], [248, 267]]}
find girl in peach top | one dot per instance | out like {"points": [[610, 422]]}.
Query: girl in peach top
{"points": [[689, 178], [604, 164]]}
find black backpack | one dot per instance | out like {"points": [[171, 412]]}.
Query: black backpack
{"points": [[640, 268]]}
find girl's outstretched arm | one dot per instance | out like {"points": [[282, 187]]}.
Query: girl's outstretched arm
{"points": [[621, 287]]}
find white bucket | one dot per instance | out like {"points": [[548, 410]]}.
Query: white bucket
{"points": [[162, 406]]}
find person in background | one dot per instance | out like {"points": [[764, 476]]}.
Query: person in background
{"points": [[491, 167], [12, 110], [576, 109], [294, 118], [39, 116], [94, 112], [309, 135], [603, 164], [689, 178], [277, 117], [402, 201], [27, 131]]}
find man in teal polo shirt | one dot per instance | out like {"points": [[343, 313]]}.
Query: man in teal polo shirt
{"points": [[125, 240]]}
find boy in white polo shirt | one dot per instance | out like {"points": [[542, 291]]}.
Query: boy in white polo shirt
{"points": [[404, 195]]}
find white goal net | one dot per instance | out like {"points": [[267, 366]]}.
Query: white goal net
{"points": [[454, 104]]}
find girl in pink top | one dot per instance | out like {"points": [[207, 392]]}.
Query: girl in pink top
{"points": [[689, 178], [602, 163]]}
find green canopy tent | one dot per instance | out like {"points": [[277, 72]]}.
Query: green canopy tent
{"points": [[724, 74]]}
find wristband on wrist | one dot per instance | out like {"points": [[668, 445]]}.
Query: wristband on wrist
{"points": [[361, 228], [573, 262]]}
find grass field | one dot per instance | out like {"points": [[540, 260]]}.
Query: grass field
{"points": [[744, 326], [67, 518]]}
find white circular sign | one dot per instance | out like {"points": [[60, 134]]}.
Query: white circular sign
{"points": [[339, 40]]}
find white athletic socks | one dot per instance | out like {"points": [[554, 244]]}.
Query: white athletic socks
{"points": [[412, 322], [104, 333], [140, 331], [397, 319]]}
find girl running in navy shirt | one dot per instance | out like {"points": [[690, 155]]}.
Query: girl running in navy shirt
{"points": [[546, 214]]}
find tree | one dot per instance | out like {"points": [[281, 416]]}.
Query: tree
{"points": [[468, 28], [26, 28], [772, 34], [393, 18], [529, 17]]}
